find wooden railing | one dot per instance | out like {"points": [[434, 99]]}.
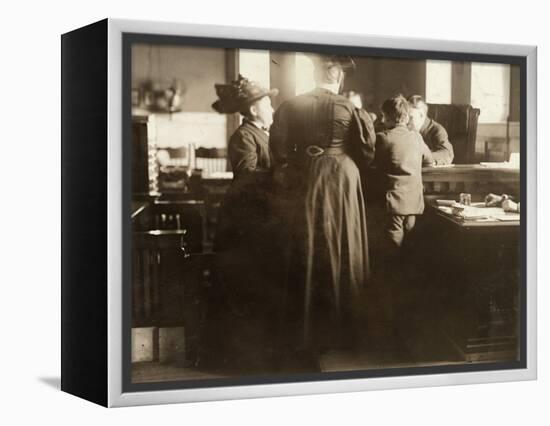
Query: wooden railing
{"points": [[445, 182]]}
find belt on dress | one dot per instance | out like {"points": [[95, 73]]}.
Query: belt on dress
{"points": [[315, 151]]}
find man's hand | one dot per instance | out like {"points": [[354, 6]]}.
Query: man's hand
{"points": [[493, 200]]}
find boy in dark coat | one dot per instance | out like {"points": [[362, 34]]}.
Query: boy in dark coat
{"points": [[433, 133], [400, 155]]}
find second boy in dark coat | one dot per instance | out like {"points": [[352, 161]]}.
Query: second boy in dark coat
{"points": [[433, 133]]}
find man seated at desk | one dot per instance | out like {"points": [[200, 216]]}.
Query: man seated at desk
{"points": [[433, 133]]}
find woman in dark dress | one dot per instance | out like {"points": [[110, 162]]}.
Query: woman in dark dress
{"points": [[243, 210], [243, 225], [319, 143]]}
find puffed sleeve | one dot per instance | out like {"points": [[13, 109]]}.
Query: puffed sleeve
{"points": [[242, 152], [363, 138]]}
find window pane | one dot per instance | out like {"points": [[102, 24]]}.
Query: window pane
{"points": [[438, 82], [254, 65], [491, 91], [304, 74]]}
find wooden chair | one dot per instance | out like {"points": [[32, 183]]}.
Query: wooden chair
{"points": [[497, 149], [460, 121], [157, 286], [168, 268], [186, 215], [211, 160]]}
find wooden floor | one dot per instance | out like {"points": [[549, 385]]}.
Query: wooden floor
{"points": [[393, 355], [145, 372]]}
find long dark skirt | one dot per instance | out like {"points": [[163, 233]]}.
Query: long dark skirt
{"points": [[248, 285], [329, 263]]}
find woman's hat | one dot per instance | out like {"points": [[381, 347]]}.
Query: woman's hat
{"points": [[239, 94]]}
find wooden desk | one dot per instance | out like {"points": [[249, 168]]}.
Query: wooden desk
{"points": [[475, 269], [449, 181], [466, 225]]}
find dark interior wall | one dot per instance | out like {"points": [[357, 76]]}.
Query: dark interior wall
{"points": [[461, 83], [380, 78], [196, 68], [365, 80], [376, 78]]}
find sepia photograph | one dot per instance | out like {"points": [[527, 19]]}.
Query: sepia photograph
{"points": [[275, 214], [321, 213]]}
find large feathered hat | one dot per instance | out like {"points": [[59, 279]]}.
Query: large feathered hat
{"points": [[239, 94]]}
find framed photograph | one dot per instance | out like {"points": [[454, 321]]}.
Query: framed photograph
{"points": [[251, 213]]}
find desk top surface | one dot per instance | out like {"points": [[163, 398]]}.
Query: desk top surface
{"points": [[489, 222], [471, 168]]}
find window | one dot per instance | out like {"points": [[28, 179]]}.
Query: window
{"points": [[491, 91], [304, 74], [438, 82], [254, 65]]}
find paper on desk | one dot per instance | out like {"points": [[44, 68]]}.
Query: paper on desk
{"points": [[497, 212], [478, 212], [469, 213], [508, 217], [472, 213], [447, 203]]}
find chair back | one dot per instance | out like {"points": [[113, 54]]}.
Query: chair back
{"points": [[460, 121]]}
